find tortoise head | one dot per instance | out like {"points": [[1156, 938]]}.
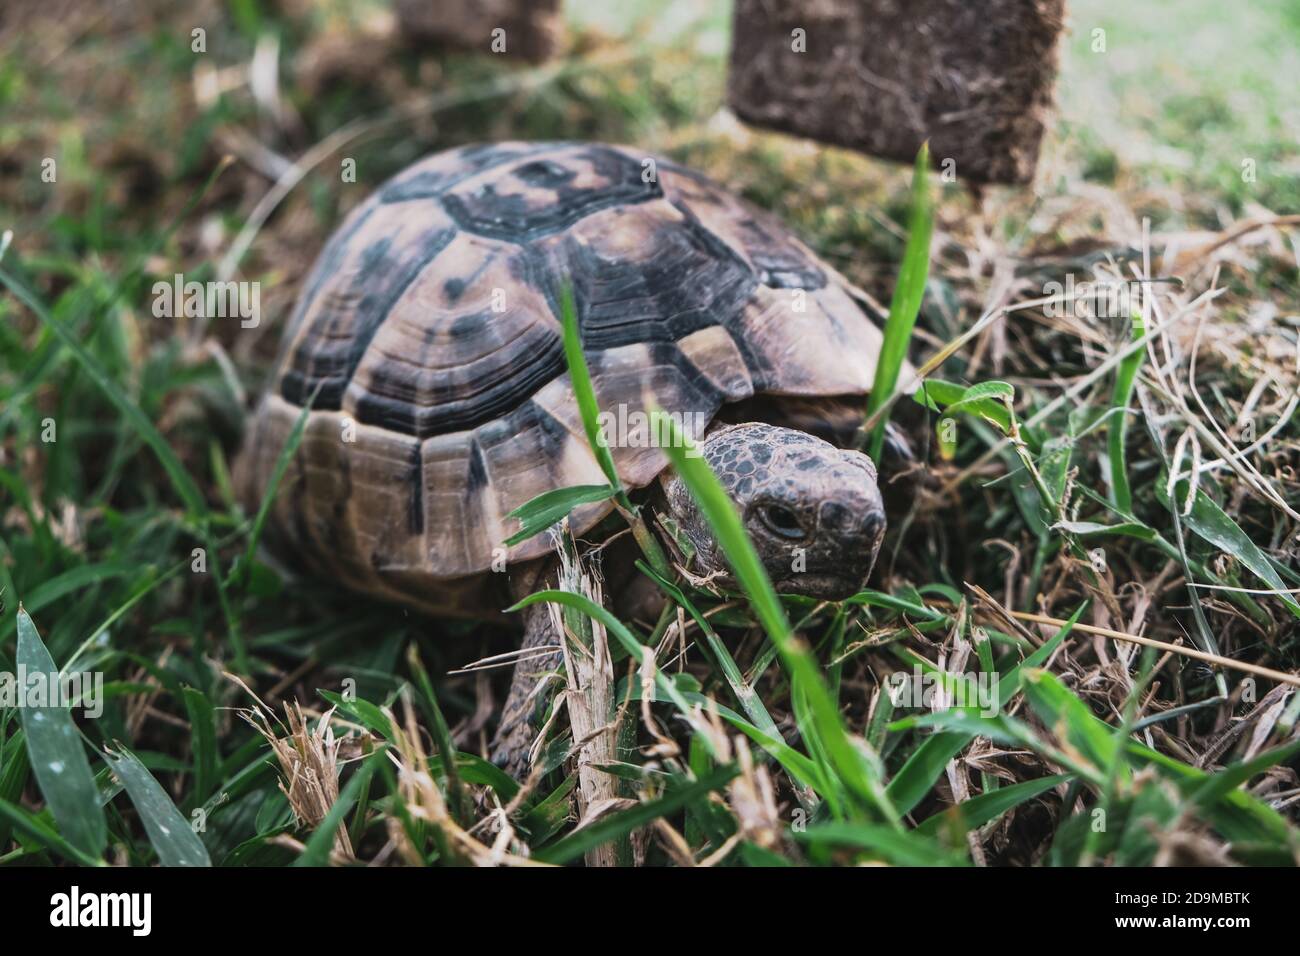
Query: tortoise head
{"points": [[813, 511]]}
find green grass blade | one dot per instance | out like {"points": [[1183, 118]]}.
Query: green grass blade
{"points": [[905, 849], [892, 602], [918, 774], [180, 478], [277, 475], [1210, 522], [987, 807], [613, 625], [53, 589], [849, 763], [1121, 396], [146, 586], [1011, 681], [989, 400], [540, 513], [15, 768], [362, 711], [321, 842], [459, 800], [1237, 814], [170, 833], [1219, 785], [57, 755], [1056, 705], [584, 392], [203, 741], [620, 824], [800, 768], [746, 696], [476, 770], [906, 301], [29, 823]]}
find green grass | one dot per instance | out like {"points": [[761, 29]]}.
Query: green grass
{"points": [[123, 541], [1183, 100], [906, 300]]}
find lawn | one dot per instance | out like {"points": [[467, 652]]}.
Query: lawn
{"points": [[1042, 533]]}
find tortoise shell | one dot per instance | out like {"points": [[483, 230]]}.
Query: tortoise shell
{"points": [[427, 340]]}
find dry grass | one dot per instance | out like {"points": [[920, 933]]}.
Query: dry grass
{"points": [[1214, 403]]}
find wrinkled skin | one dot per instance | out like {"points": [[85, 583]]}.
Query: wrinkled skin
{"points": [[813, 511]]}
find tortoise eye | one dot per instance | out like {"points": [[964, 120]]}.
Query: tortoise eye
{"points": [[780, 520]]}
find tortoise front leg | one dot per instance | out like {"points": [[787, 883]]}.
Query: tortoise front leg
{"points": [[537, 676]]}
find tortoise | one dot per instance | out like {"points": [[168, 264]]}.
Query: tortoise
{"points": [[428, 343]]}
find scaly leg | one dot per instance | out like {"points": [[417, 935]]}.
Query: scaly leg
{"points": [[527, 701]]}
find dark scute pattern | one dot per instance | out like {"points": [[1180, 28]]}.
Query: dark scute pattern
{"points": [[672, 378], [780, 263], [308, 521], [478, 476], [328, 263], [416, 484], [689, 280], [521, 217], [545, 172], [553, 435], [693, 281], [545, 429], [698, 393], [778, 271], [431, 183], [529, 426], [294, 491], [459, 405], [329, 361]]}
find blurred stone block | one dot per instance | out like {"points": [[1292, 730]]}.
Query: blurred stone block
{"points": [[530, 29], [975, 77]]}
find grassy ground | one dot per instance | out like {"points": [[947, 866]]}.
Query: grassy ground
{"points": [[117, 430]]}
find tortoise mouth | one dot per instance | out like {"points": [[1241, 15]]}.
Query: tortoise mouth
{"points": [[830, 587]]}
